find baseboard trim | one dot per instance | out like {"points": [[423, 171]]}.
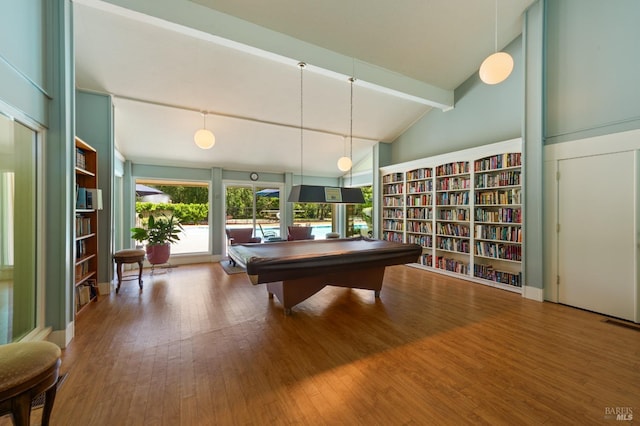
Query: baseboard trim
{"points": [[533, 293], [63, 337]]}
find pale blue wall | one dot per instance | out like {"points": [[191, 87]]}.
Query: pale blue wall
{"points": [[22, 57], [94, 125], [37, 84], [593, 68], [482, 114]]}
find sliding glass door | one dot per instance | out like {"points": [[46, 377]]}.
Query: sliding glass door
{"points": [[257, 207]]}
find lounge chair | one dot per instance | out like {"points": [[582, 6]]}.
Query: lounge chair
{"points": [[300, 233]]}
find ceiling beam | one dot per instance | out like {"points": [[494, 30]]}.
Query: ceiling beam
{"points": [[190, 18]]}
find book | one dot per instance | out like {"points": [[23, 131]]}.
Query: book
{"points": [[81, 200]]}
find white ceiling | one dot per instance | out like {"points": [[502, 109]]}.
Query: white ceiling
{"points": [[236, 59]]}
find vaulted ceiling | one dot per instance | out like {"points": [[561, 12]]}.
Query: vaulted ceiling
{"points": [[165, 62]]}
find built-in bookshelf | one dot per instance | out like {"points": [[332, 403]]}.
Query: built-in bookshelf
{"points": [[419, 209], [498, 218], [464, 208], [453, 185], [86, 225], [393, 207]]}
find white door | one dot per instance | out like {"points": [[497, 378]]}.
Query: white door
{"points": [[596, 241]]}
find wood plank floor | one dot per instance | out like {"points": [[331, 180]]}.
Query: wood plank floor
{"points": [[200, 347]]}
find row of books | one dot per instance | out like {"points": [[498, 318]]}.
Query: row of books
{"points": [[83, 225], [421, 186], [488, 273], [392, 236], [453, 244], [426, 259], [452, 229], [85, 292], [509, 178], [81, 249], [501, 215], [502, 233], [420, 213], [392, 202], [499, 251], [500, 161], [508, 196], [420, 227], [392, 214], [419, 174], [393, 189], [453, 168], [392, 177], [452, 214], [452, 198], [452, 265], [88, 198], [81, 158], [453, 183], [81, 270], [392, 225], [420, 200], [423, 240]]}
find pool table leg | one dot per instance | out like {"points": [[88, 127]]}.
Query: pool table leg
{"points": [[292, 292]]}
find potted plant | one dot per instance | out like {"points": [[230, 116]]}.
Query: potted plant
{"points": [[159, 233]]}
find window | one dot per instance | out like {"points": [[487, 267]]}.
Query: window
{"points": [[187, 201], [358, 216]]}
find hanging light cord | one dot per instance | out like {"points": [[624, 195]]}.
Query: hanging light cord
{"points": [[301, 65], [351, 80], [496, 35]]}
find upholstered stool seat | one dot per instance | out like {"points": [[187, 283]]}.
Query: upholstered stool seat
{"points": [[128, 256], [26, 370]]}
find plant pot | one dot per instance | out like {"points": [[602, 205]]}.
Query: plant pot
{"points": [[158, 254]]}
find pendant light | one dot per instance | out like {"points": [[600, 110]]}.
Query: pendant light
{"points": [[204, 138], [318, 193], [345, 163], [498, 66]]}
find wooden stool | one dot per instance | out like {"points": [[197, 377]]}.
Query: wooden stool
{"points": [[128, 256], [26, 370]]}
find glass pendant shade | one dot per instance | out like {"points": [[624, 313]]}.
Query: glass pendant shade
{"points": [[496, 68], [344, 164], [204, 139]]}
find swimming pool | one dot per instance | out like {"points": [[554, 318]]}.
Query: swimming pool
{"points": [[195, 238]]}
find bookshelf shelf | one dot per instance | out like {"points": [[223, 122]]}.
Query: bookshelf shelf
{"points": [[86, 225], [464, 208]]}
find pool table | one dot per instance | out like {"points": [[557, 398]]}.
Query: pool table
{"points": [[296, 270]]}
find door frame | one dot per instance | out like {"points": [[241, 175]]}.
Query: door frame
{"points": [[598, 145]]}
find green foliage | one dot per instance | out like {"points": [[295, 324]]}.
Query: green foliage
{"points": [[158, 231], [185, 194], [185, 213], [239, 203]]}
